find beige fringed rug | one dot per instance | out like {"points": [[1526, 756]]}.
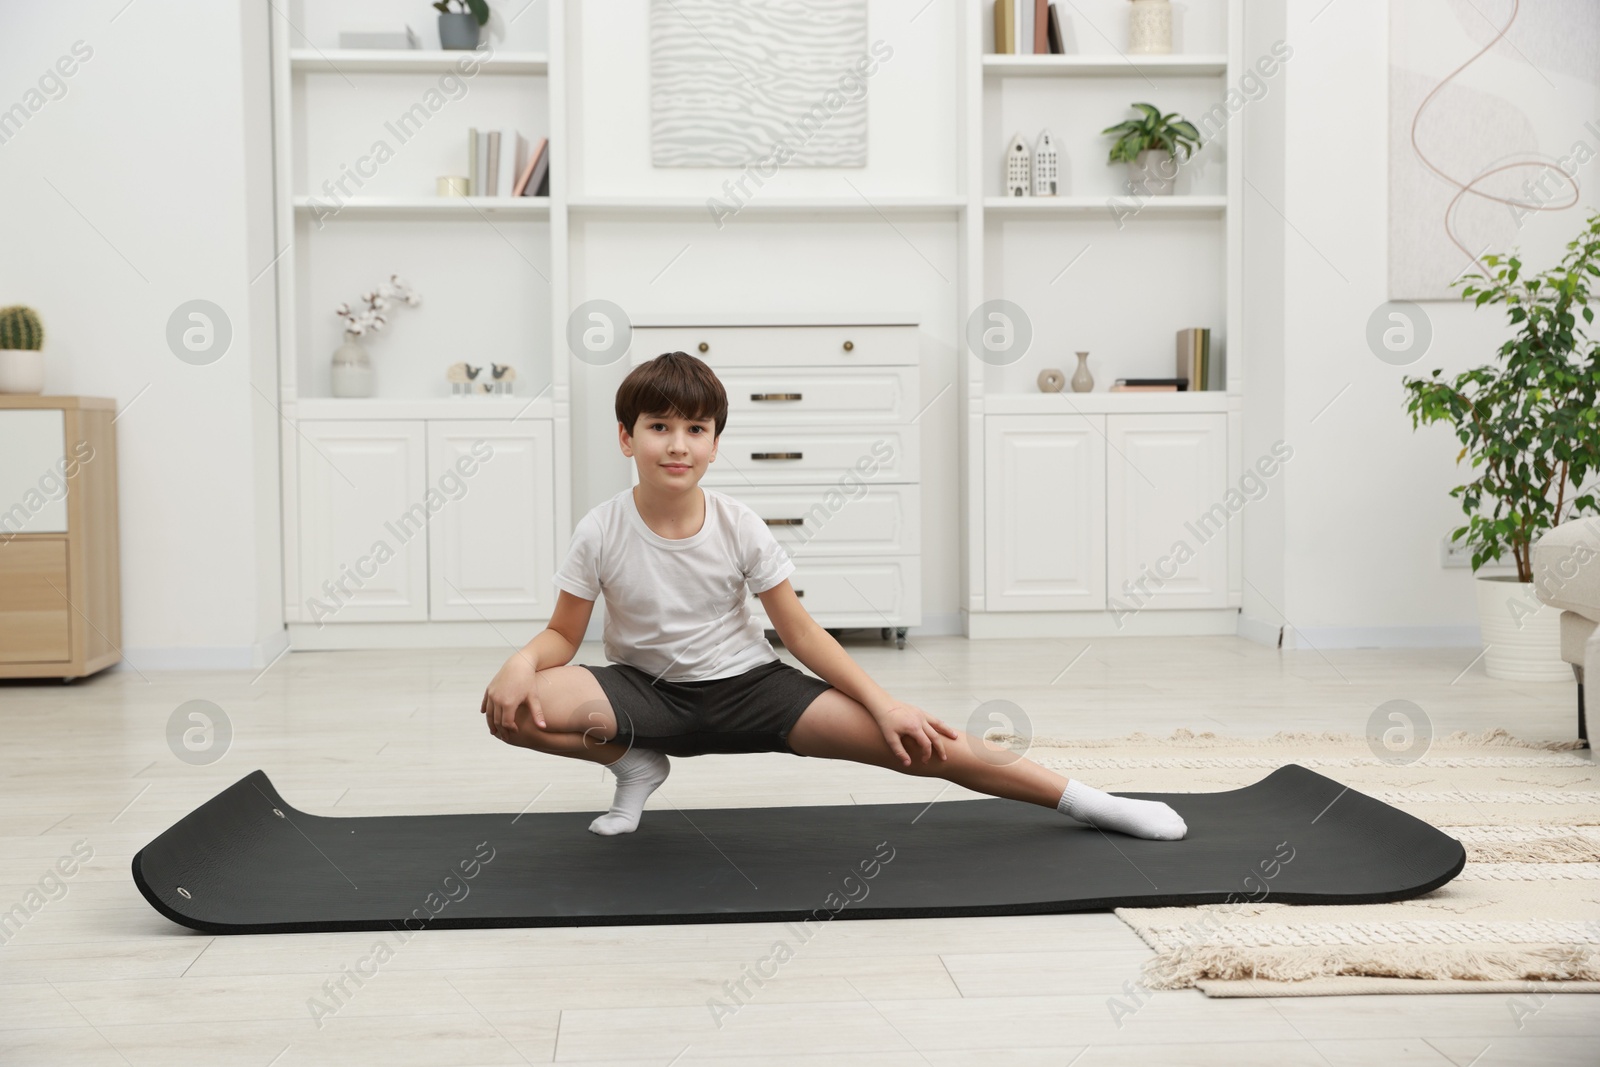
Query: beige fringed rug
{"points": [[1524, 915]]}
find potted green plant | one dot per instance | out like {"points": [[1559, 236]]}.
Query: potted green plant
{"points": [[1530, 425], [1152, 146], [21, 350], [459, 29]]}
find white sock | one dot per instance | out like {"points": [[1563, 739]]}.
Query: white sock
{"points": [[639, 772], [1138, 818]]}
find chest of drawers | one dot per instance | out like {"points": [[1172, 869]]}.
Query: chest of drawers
{"points": [[821, 443], [60, 574]]}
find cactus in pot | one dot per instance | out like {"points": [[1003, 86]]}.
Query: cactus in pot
{"points": [[21, 361], [20, 328]]}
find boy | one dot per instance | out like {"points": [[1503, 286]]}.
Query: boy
{"points": [[691, 669]]}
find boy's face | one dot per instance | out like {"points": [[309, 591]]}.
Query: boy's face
{"points": [[672, 452]]}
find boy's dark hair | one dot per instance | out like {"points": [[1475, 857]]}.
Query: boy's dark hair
{"points": [[674, 383]]}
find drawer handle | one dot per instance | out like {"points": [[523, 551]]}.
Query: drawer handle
{"points": [[704, 347], [849, 346], [777, 455], [774, 396], [797, 592], [785, 522]]}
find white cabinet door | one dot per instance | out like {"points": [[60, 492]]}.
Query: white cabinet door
{"points": [[1168, 510], [33, 469], [491, 543], [363, 521], [1044, 513]]}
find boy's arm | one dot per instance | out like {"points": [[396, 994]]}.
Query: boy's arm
{"points": [[817, 649]]}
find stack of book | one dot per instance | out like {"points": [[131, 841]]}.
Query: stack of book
{"points": [[1026, 27], [499, 164], [1194, 359]]}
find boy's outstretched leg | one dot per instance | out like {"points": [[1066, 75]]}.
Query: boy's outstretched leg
{"points": [[836, 726]]}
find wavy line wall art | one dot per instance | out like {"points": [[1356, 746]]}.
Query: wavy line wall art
{"points": [[1494, 117], [732, 79]]}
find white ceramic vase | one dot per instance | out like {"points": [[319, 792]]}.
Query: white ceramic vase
{"points": [[1521, 635], [351, 373], [21, 370], [1150, 28]]}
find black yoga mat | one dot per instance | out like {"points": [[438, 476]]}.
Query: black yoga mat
{"points": [[247, 862]]}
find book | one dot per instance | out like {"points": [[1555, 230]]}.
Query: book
{"points": [[1024, 43], [366, 38], [1054, 33], [1004, 14], [513, 157], [1193, 355], [1041, 27], [480, 180], [1150, 385], [472, 160], [538, 183], [543, 189], [491, 167], [523, 178]]}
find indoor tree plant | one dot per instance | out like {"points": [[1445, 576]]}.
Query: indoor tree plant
{"points": [[1529, 424], [1153, 146], [459, 29], [21, 350]]}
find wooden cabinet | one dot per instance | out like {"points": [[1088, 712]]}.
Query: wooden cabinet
{"points": [[1166, 517], [1106, 512], [491, 547], [60, 578], [363, 521], [1044, 531], [425, 520]]}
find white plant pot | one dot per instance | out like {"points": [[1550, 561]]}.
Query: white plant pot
{"points": [[21, 370], [1155, 173], [1521, 635]]}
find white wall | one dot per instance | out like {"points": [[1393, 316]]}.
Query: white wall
{"points": [[1366, 497], [142, 186], [127, 195]]}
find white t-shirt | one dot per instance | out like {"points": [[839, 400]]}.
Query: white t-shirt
{"points": [[677, 609]]}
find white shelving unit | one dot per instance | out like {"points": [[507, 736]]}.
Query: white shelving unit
{"points": [[1097, 205], [1184, 250], [376, 61], [1072, 260], [432, 206], [1103, 66], [496, 265]]}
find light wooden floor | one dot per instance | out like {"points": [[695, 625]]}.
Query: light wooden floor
{"points": [[97, 977]]}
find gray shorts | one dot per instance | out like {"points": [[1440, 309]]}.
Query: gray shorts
{"points": [[749, 712]]}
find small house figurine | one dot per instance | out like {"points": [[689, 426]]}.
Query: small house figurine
{"points": [[1019, 162], [1044, 165]]}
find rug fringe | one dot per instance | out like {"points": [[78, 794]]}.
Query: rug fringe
{"points": [[1558, 963], [1540, 850]]}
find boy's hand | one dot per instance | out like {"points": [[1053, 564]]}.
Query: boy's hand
{"points": [[920, 728], [511, 687]]}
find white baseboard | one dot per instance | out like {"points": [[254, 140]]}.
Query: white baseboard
{"points": [[1262, 631], [192, 658], [1168, 622], [1322, 637]]}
